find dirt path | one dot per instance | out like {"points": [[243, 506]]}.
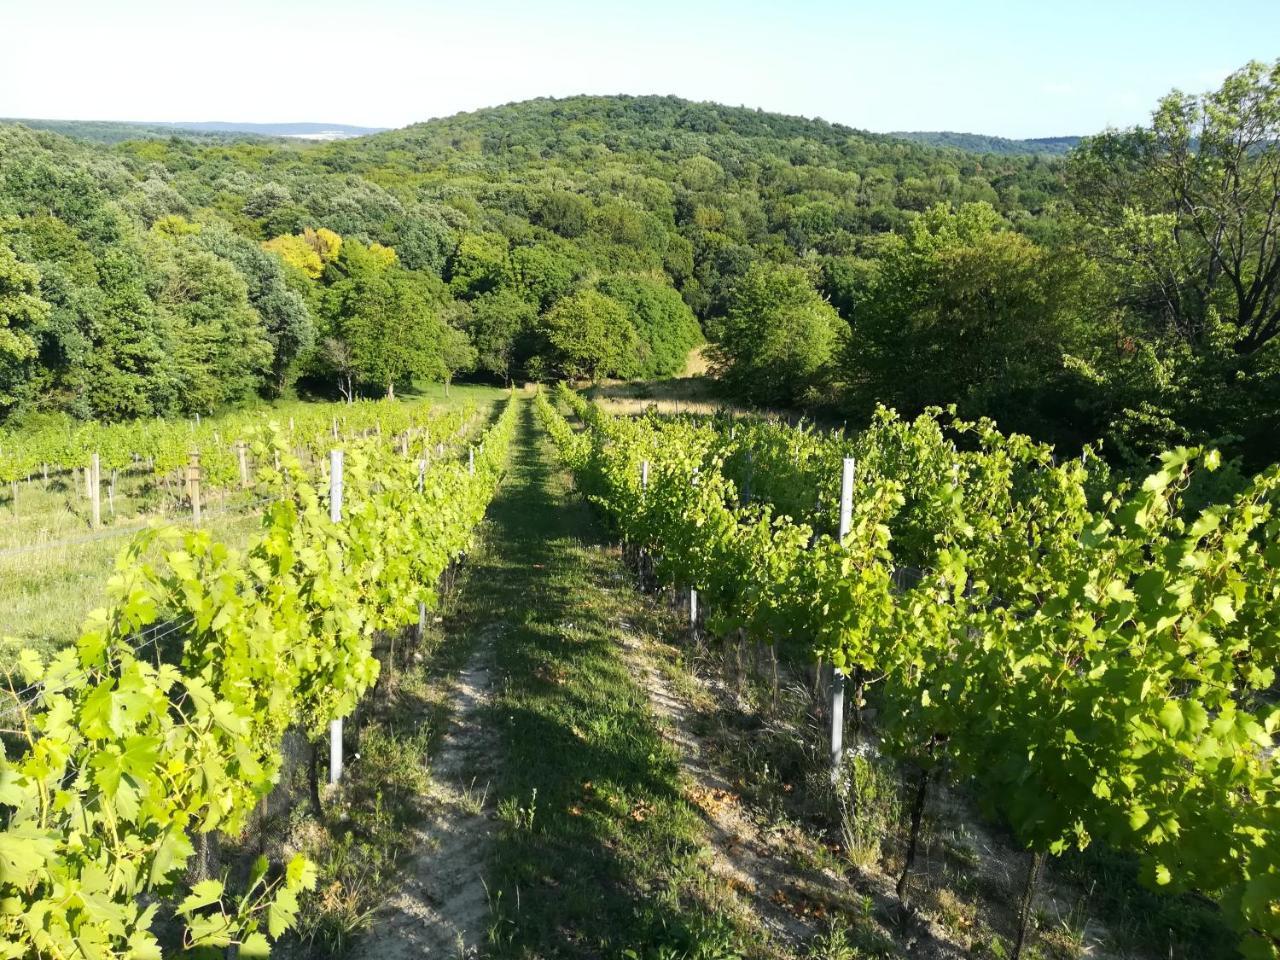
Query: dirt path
{"points": [[753, 863], [440, 907]]}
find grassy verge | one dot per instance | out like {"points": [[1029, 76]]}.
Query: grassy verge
{"points": [[598, 852]]}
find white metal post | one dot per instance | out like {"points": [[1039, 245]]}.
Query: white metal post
{"points": [[837, 676], [335, 514], [471, 460], [693, 592], [422, 607], [95, 489]]}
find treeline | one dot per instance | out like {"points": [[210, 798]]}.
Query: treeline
{"points": [[1128, 292], [585, 237], [1143, 309]]}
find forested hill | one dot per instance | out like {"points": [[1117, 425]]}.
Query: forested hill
{"points": [[606, 236], [981, 143], [112, 131], [542, 239]]}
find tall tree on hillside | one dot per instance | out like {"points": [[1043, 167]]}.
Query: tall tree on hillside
{"points": [[590, 336], [496, 323], [1190, 208], [778, 338], [21, 309], [962, 310], [289, 324], [666, 327], [383, 322], [216, 343]]}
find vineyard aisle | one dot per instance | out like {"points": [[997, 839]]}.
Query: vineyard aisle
{"points": [[586, 843]]}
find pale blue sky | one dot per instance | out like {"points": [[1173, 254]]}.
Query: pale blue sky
{"points": [[988, 66]]}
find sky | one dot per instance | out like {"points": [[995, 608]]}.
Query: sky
{"points": [[1016, 69]]}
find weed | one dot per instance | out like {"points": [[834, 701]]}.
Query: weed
{"points": [[516, 816], [869, 804]]}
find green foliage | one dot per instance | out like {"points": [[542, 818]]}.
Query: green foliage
{"points": [[1185, 212], [497, 324], [778, 338], [127, 756], [963, 310], [1095, 670], [589, 335], [217, 343], [21, 312], [665, 325]]}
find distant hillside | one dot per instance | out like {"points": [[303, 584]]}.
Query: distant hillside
{"points": [[513, 224], [113, 131], [981, 143], [302, 131]]}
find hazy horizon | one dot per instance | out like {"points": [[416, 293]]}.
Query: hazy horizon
{"points": [[994, 68]]}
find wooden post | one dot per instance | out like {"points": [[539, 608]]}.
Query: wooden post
{"points": [[837, 675], [335, 514], [95, 490], [193, 487], [111, 494], [244, 466]]}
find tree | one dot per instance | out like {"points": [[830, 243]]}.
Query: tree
{"points": [[455, 352], [289, 324], [666, 327], [496, 324], [383, 321], [216, 343], [962, 310], [20, 310], [590, 336], [481, 264], [778, 338], [311, 251], [1190, 207]]}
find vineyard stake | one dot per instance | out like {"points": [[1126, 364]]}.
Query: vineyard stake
{"points": [[244, 466], [837, 675], [335, 515], [422, 607], [693, 591], [471, 460], [95, 489], [193, 487]]}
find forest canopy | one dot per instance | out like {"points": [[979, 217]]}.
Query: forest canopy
{"points": [[1075, 297]]}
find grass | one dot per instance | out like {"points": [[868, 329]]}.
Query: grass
{"points": [[598, 851], [58, 566], [46, 591]]}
